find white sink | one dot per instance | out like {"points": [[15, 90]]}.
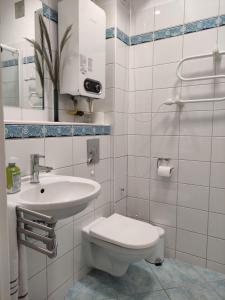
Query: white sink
{"points": [[57, 196]]}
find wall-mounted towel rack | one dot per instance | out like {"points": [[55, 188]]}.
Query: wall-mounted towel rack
{"points": [[27, 222], [216, 54], [8, 48], [180, 101]]}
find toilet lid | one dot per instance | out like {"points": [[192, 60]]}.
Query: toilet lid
{"points": [[125, 232]]}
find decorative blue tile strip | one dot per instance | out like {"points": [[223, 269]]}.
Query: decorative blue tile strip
{"points": [[201, 25], [222, 20], [123, 37], [33, 131], [58, 130], [14, 131], [178, 30], [28, 60], [14, 62], [142, 38], [79, 130], [110, 33], [167, 33], [9, 63], [210, 23], [22, 131], [50, 13], [102, 130]]}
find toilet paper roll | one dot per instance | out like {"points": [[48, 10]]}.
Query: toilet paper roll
{"points": [[165, 171]]}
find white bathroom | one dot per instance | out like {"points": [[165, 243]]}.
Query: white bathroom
{"points": [[112, 142]]}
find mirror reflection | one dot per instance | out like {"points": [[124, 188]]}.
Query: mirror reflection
{"points": [[22, 83], [9, 84]]}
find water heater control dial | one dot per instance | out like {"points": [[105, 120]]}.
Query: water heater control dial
{"points": [[93, 86]]}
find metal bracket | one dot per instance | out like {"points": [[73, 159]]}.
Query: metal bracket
{"points": [[27, 224]]}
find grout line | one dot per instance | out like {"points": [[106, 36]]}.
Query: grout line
{"points": [[211, 152], [61, 285]]}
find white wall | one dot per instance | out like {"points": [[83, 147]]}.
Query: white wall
{"points": [[116, 103], [120, 129], [4, 248], [52, 278], [189, 205]]}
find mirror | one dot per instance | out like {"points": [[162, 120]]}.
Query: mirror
{"points": [[21, 83], [9, 85]]}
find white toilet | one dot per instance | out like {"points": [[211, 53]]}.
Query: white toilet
{"points": [[112, 243]]}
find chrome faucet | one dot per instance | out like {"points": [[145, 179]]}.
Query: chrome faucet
{"points": [[36, 168]]}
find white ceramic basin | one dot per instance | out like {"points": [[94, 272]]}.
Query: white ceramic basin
{"points": [[57, 196]]}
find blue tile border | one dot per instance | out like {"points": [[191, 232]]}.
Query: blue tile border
{"points": [[14, 62], [141, 38], [9, 63], [113, 32], [57, 130], [28, 60], [34, 131], [50, 13], [147, 37], [123, 37], [201, 25], [222, 20], [196, 26], [110, 33], [169, 32], [24, 131]]}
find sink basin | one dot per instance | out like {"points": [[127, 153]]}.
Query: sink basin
{"points": [[57, 196]]}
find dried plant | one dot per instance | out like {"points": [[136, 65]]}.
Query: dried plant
{"points": [[47, 55]]}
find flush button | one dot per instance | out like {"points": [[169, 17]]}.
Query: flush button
{"points": [[93, 151]]}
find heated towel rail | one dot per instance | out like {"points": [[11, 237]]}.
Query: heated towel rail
{"points": [[34, 229], [216, 54]]}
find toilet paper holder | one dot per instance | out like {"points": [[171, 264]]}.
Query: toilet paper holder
{"points": [[160, 160]]}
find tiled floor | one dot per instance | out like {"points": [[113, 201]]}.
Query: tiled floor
{"points": [[175, 280]]}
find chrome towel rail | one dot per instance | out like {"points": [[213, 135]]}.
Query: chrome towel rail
{"points": [[27, 222]]}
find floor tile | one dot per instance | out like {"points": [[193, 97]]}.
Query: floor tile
{"points": [[197, 292], [159, 295], [88, 294], [174, 273], [209, 275], [219, 287], [143, 281], [138, 279]]}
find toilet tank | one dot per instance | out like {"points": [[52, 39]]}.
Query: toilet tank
{"points": [[82, 69]]}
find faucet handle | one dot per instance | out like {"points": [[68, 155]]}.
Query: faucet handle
{"points": [[35, 158]]}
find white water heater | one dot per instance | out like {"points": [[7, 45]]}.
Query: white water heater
{"points": [[82, 70]]}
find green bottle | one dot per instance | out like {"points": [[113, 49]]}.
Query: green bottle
{"points": [[13, 176]]}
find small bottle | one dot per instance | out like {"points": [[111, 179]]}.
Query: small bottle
{"points": [[13, 176]]}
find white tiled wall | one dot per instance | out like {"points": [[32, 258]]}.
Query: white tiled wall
{"points": [[116, 103], [190, 205], [50, 279]]}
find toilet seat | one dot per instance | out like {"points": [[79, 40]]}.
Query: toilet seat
{"points": [[125, 232]]}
